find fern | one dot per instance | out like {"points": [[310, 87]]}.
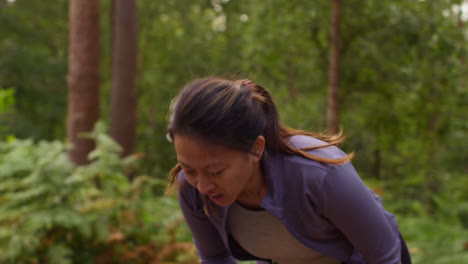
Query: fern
{"points": [[52, 211]]}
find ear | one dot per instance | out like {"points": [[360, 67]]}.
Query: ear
{"points": [[258, 147]]}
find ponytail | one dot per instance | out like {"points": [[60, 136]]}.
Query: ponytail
{"points": [[276, 133]]}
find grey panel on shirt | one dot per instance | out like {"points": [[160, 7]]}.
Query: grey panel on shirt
{"points": [[264, 236]]}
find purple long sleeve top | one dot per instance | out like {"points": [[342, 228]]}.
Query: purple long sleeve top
{"points": [[326, 207]]}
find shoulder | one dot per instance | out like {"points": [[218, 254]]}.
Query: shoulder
{"points": [[302, 141], [309, 165], [299, 172]]}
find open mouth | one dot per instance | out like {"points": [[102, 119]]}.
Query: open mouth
{"points": [[216, 197]]}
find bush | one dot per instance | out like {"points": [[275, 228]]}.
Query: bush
{"points": [[52, 211]]}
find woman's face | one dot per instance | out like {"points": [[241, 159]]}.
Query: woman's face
{"points": [[218, 172]]}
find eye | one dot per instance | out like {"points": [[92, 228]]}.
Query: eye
{"points": [[217, 173], [190, 173]]}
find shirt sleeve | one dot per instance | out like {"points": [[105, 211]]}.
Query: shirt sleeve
{"points": [[353, 208], [208, 241]]}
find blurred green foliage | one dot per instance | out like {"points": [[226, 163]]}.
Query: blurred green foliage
{"points": [[33, 60], [7, 101], [52, 211], [403, 96], [431, 241]]}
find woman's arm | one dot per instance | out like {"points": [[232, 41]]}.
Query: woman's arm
{"points": [[354, 210], [209, 243]]}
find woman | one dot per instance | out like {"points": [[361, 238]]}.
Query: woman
{"points": [[253, 189]]}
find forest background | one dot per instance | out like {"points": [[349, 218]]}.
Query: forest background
{"points": [[391, 74]]}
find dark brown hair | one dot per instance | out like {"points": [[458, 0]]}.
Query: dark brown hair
{"points": [[234, 114]]}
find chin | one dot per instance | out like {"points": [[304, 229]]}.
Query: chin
{"points": [[224, 203]]}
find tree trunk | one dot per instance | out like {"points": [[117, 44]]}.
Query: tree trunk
{"points": [[83, 76], [333, 68], [124, 57]]}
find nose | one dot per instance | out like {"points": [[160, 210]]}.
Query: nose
{"points": [[204, 185]]}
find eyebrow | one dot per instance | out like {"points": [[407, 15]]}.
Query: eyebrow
{"points": [[214, 164]]}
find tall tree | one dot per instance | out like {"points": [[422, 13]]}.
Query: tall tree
{"points": [[334, 67], [83, 76], [124, 57]]}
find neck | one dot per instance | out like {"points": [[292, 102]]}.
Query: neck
{"points": [[254, 192]]}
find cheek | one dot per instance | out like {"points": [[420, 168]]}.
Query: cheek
{"points": [[236, 176], [191, 180]]}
